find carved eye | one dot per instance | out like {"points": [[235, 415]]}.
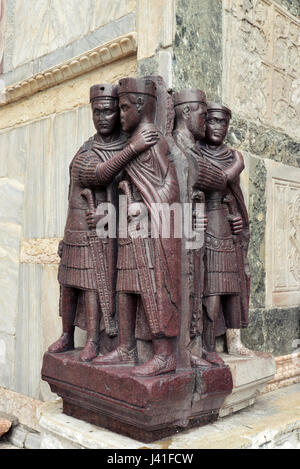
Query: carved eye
{"points": [[107, 112]]}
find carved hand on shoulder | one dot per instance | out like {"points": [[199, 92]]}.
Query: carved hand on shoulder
{"points": [[144, 140]]}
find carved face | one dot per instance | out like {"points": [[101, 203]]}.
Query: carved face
{"points": [[130, 113], [196, 120], [105, 116], [217, 124]]}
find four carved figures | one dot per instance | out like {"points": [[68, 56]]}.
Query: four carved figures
{"points": [[130, 284]]}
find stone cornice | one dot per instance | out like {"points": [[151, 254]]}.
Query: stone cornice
{"points": [[100, 56]]}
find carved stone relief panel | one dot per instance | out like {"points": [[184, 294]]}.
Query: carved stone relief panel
{"points": [[262, 59], [294, 235], [283, 235]]}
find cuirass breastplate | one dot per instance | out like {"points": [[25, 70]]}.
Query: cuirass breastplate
{"points": [[218, 224]]}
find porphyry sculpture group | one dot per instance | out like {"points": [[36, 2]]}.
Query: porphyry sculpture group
{"points": [[151, 292]]}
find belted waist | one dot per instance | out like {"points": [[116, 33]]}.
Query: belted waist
{"points": [[225, 244], [214, 204], [76, 238]]}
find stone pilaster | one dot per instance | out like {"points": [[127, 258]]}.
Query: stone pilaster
{"points": [[197, 58]]}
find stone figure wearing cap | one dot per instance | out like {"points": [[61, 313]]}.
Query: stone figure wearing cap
{"points": [[191, 111], [190, 108], [87, 268], [148, 282], [226, 283], [190, 125]]}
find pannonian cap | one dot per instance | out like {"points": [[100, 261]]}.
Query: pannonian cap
{"points": [[217, 107], [103, 91], [137, 86], [189, 95]]}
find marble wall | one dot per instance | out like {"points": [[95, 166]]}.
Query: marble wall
{"points": [[261, 84], [57, 24], [39, 136], [2, 26], [58, 31], [33, 202], [261, 58]]}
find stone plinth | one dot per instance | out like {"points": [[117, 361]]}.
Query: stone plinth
{"points": [[145, 409], [249, 375], [211, 387], [273, 422]]}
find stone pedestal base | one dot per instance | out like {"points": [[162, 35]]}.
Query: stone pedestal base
{"points": [[145, 409], [273, 422], [249, 376]]}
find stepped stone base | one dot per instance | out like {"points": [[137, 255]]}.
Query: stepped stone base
{"points": [[145, 409], [249, 376]]}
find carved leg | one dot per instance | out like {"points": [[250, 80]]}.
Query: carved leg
{"points": [[232, 314], [126, 352], [92, 311], [68, 305], [163, 360], [128, 303], [211, 310]]}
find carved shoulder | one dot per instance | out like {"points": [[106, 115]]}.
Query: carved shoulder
{"points": [[237, 166]]}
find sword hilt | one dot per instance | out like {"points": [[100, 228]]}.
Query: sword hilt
{"points": [[125, 188], [88, 195]]}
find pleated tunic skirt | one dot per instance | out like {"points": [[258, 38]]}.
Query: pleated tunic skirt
{"points": [[76, 266], [221, 267]]}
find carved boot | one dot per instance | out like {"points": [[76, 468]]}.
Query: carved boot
{"points": [[199, 362], [63, 344], [163, 360], [213, 358], [67, 305], [119, 356], [209, 344], [91, 349]]}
